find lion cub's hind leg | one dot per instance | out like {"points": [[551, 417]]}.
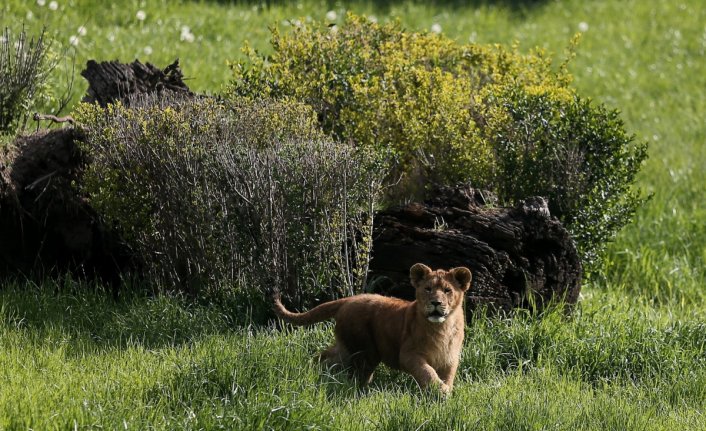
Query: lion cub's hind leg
{"points": [[335, 357], [359, 367], [363, 374]]}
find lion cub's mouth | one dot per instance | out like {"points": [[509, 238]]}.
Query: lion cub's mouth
{"points": [[436, 316]]}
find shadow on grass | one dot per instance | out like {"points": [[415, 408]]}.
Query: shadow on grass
{"points": [[90, 318]]}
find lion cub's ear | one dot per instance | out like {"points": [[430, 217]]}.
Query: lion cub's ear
{"points": [[463, 276], [417, 273]]}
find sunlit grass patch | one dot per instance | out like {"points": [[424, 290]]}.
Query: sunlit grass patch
{"points": [[610, 365]]}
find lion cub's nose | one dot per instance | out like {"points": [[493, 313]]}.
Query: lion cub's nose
{"points": [[435, 303]]}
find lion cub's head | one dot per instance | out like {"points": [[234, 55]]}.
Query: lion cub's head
{"points": [[439, 292]]}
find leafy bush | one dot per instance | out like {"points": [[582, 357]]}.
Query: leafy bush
{"points": [[571, 152], [381, 87], [249, 193], [23, 67], [458, 113]]}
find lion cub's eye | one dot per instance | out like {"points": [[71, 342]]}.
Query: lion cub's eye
{"points": [[447, 290], [428, 289]]}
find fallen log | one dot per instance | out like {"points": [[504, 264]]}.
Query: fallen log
{"points": [[46, 228], [519, 256]]}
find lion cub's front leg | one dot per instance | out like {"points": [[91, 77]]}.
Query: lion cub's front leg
{"points": [[424, 374], [449, 375]]}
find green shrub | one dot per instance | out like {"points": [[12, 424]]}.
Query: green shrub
{"points": [[571, 152], [457, 113], [251, 193]]}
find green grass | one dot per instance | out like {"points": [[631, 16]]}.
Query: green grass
{"points": [[164, 362], [631, 358]]}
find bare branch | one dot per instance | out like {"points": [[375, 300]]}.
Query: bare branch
{"points": [[53, 118]]}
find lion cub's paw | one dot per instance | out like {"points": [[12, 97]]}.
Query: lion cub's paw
{"points": [[445, 390], [439, 389]]}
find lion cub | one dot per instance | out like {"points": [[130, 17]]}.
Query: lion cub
{"points": [[423, 337]]}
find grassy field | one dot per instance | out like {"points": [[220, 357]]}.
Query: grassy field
{"points": [[79, 360], [633, 356]]}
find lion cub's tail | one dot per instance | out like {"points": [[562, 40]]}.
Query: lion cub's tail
{"points": [[317, 314]]}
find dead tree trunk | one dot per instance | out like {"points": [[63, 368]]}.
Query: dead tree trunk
{"points": [[519, 256], [111, 81]]}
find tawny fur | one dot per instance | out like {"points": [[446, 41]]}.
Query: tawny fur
{"points": [[423, 337]]}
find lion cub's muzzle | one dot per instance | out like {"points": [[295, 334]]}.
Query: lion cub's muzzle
{"points": [[436, 312]]}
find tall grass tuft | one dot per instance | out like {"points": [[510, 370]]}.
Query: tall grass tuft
{"points": [[23, 67]]}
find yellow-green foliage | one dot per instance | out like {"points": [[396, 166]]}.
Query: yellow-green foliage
{"points": [[419, 95], [263, 121], [451, 112]]}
